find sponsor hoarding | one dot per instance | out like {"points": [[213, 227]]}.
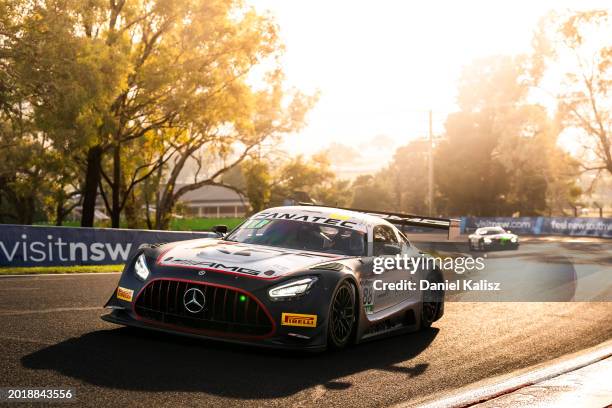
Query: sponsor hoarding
{"points": [[23, 245], [590, 227]]}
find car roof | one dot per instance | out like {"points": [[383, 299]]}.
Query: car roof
{"points": [[329, 212]]}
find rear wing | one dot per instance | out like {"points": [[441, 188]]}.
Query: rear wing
{"points": [[448, 224]]}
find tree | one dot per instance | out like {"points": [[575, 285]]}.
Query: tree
{"points": [[313, 176], [186, 80], [135, 90], [580, 45], [406, 177], [370, 194], [500, 154], [257, 117], [270, 180], [257, 183], [62, 80]]}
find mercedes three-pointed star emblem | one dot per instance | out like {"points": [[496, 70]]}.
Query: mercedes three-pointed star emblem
{"points": [[194, 300]]}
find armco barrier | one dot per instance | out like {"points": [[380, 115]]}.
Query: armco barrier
{"points": [[22, 245], [586, 227]]}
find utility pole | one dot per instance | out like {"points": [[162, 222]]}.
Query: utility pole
{"points": [[430, 177]]}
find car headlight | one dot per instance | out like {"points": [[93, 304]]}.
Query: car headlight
{"points": [[487, 240], [292, 289], [513, 239], [141, 268]]}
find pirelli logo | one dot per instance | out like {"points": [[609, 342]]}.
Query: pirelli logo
{"points": [[301, 320], [124, 294]]}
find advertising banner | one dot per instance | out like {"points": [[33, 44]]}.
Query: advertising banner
{"points": [[24, 245], [589, 227], [518, 225]]}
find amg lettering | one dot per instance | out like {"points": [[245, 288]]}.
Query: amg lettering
{"points": [[211, 265]]}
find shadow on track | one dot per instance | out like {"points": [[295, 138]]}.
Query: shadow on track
{"points": [[142, 360]]}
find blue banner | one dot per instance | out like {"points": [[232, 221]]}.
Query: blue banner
{"points": [[24, 245], [589, 227], [586, 227], [519, 225]]}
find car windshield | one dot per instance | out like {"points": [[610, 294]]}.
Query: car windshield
{"points": [[491, 231], [301, 235]]}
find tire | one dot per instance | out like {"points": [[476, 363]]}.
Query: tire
{"points": [[429, 310], [480, 245], [342, 316]]}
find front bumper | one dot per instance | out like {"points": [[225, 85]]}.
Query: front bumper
{"points": [[283, 334], [494, 244], [122, 318]]}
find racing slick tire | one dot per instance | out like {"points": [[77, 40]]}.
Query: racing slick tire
{"points": [[342, 316], [429, 306]]}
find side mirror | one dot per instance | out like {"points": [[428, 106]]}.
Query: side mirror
{"points": [[220, 229], [391, 249]]}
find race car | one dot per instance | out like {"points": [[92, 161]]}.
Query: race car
{"points": [[492, 238], [294, 277]]}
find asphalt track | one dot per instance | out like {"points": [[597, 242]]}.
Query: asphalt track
{"points": [[51, 335]]}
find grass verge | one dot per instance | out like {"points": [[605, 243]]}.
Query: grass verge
{"points": [[176, 224], [41, 270], [202, 224]]}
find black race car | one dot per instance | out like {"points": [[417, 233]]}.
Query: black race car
{"points": [[299, 277], [492, 238]]}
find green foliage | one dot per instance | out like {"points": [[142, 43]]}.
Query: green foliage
{"points": [[312, 176], [371, 194], [269, 182], [257, 179], [121, 96]]}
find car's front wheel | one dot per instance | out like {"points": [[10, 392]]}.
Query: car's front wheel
{"points": [[342, 316], [431, 304]]}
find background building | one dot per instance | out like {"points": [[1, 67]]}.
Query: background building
{"points": [[214, 202]]}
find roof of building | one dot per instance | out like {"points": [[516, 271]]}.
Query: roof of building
{"points": [[217, 194]]}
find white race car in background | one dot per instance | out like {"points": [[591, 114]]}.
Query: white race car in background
{"points": [[493, 238]]}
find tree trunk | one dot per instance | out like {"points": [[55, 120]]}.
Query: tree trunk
{"points": [[27, 207], [164, 211], [116, 187], [90, 190], [59, 213]]}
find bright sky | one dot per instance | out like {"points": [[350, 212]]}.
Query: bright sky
{"points": [[380, 65]]}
